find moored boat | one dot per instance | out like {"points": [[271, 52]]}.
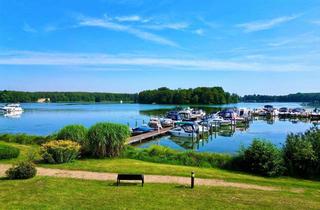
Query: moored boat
{"points": [[184, 130], [11, 108], [144, 128]]}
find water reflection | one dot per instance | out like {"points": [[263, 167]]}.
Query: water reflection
{"points": [[229, 139], [12, 115]]}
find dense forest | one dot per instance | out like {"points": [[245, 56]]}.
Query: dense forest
{"points": [[297, 97], [18, 96], [200, 95]]}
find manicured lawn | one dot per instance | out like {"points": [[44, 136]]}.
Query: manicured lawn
{"points": [[60, 193], [135, 166], [25, 151]]}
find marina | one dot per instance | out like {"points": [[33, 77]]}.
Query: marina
{"points": [[224, 136]]}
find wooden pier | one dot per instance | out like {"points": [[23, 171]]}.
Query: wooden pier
{"points": [[145, 136]]}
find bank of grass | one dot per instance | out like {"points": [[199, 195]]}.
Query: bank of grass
{"points": [[62, 193], [26, 151], [125, 165]]}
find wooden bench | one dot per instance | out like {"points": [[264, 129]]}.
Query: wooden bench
{"points": [[130, 177]]}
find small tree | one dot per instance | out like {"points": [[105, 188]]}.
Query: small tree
{"points": [[262, 158], [107, 139], [299, 156]]}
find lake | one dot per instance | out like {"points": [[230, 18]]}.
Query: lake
{"points": [[43, 119]]}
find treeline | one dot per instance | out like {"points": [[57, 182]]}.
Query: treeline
{"points": [[200, 95], [297, 97], [21, 97]]}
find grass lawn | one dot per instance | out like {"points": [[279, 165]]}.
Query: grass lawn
{"points": [[61, 193], [135, 166], [25, 151]]}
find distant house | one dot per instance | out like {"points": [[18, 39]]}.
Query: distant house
{"points": [[43, 100]]}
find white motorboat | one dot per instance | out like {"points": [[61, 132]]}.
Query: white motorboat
{"points": [[185, 114], [12, 108], [198, 114], [184, 131], [166, 122], [217, 120], [155, 123]]}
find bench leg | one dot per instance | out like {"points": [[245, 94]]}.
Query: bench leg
{"points": [[142, 182], [118, 182]]}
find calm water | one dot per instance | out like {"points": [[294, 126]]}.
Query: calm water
{"points": [[44, 119]]}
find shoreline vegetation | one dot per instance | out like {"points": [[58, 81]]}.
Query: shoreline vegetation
{"points": [[309, 98], [102, 150], [163, 95], [299, 156]]}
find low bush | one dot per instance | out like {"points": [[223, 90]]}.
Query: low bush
{"points": [[107, 139], [60, 151], [8, 152], [22, 138], [24, 170], [300, 157], [160, 154], [262, 158], [77, 133]]}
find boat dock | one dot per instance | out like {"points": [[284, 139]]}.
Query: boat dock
{"points": [[145, 136]]}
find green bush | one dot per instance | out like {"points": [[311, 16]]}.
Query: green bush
{"points": [[60, 151], [160, 154], [262, 158], [22, 138], [24, 170], [107, 139], [77, 133], [8, 152], [299, 156]]}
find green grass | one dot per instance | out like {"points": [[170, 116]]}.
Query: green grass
{"points": [[25, 151], [61, 193], [120, 165], [136, 166]]}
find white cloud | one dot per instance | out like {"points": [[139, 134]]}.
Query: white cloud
{"points": [[28, 28], [266, 24], [317, 22], [104, 23], [300, 40], [50, 28], [173, 26], [132, 18], [133, 62], [199, 31]]}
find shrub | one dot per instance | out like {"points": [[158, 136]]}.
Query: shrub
{"points": [[22, 138], [24, 170], [8, 152], [77, 133], [60, 151], [299, 156], [262, 158], [160, 154], [107, 139]]}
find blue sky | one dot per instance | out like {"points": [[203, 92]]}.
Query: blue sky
{"points": [[261, 46]]}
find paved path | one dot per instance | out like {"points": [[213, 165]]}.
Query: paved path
{"points": [[148, 178]]}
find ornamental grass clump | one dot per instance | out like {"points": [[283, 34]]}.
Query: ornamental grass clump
{"points": [[107, 139], [77, 133], [24, 170], [8, 152], [60, 151]]}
